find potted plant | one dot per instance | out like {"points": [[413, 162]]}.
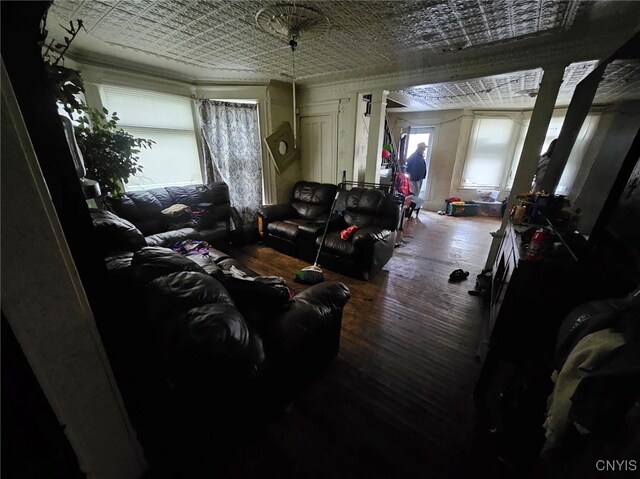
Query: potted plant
{"points": [[110, 153]]}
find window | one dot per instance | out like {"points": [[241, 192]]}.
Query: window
{"points": [[577, 154], [490, 146], [575, 157], [168, 120]]}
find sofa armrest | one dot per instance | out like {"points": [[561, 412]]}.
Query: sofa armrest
{"points": [[308, 331], [276, 212], [330, 293], [169, 237], [235, 221], [370, 235]]}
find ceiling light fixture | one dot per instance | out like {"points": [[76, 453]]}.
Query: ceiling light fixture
{"points": [[530, 92], [290, 23]]}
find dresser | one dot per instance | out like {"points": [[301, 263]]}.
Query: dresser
{"points": [[527, 304]]}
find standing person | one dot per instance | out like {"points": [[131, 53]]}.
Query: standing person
{"points": [[543, 162], [417, 168]]}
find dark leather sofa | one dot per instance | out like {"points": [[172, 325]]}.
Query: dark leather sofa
{"points": [[296, 228], [376, 214], [292, 227], [143, 209], [201, 350]]}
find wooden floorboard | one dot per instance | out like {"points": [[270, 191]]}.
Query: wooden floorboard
{"points": [[397, 400]]}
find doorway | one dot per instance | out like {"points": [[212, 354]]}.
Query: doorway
{"points": [[421, 134]]}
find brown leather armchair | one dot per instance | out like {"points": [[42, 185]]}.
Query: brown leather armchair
{"points": [[292, 227], [376, 216]]}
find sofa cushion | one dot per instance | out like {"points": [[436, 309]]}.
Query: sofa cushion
{"points": [[173, 236], [283, 229], [363, 206], [152, 262], [179, 292], [312, 200], [115, 233], [334, 244]]}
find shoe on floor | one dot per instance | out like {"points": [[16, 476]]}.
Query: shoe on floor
{"points": [[458, 275]]}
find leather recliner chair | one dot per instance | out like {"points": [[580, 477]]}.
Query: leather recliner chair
{"points": [[292, 228], [376, 217]]}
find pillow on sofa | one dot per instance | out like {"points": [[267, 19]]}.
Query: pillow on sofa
{"points": [[178, 216], [115, 233]]}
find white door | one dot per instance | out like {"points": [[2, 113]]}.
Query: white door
{"points": [[318, 148]]}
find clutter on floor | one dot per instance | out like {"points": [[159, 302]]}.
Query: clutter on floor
{"points": [[458, 275], [457, 207]]}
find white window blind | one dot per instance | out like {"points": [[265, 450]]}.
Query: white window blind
{"points": [[575, 158], [574, 162], [168, 120], [488, 152]]}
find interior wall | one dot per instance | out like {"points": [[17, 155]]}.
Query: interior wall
{"points": [[280, 100], [361, 140], [612, 140], [451, 133]]}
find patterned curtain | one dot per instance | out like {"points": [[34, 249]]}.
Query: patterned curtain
{"points": [[231, 152]]}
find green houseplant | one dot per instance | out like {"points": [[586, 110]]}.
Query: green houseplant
{"points": [[110, 153]]}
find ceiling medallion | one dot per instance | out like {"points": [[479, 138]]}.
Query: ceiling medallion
{"points": [[292, 22]]}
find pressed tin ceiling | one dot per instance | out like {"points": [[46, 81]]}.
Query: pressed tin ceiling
{"points": [[218, 40], [621, 81]]}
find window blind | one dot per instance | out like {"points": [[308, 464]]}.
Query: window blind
{"points": [[166, 119], [488, 151]]}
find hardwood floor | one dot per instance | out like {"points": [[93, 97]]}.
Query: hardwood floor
{"points": [[397, 400]]}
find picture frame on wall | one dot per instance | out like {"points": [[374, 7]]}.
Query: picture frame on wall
{"points": [[281, 147]]}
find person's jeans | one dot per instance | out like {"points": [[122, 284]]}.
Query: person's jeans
{"points": [[415, 187]]}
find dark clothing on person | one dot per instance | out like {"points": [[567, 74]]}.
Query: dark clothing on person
{"points": [[416, 166]]}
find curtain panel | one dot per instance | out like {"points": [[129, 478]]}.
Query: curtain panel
{"points": [[231, 152]]}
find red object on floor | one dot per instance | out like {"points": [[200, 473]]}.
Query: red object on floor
{"points": [[348, 233]]}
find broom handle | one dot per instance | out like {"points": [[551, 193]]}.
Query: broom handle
{"points": [[326, 227]]}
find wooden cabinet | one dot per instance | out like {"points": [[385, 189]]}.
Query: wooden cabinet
{"points": [[528, 302]]}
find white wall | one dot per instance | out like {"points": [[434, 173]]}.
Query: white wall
{"points": [[361, 140], [612, 140], [451, 134], [279, 109]]}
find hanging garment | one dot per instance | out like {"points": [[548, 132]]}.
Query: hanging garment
{"points": [[590, 353]]}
